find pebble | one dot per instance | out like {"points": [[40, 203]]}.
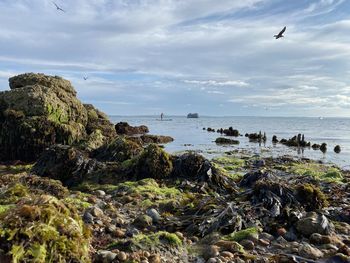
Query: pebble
{"points": [[266, 236], [100, 193], [119, 233], [154, 259], [308, 251], [281, 231], [226, 254], [214, 251], [122, 256], [211, 260], [153, 213], [96, 211], [143, 221], [264, 242], [107, 256], [88, 218]]}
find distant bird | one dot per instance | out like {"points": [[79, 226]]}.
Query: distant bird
{"points": [[85, 78], [280, 34], [58, 8]]}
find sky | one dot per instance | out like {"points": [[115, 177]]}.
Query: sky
{"points": [[213, 57]]}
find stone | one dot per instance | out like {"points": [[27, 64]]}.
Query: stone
{"points": [[122, 256], [153, 213], [314, 223], [155, 258], [107, 256], [308, 251], [123, 128], [100, 193], [96, 211], [88, 218], [226, 254]]}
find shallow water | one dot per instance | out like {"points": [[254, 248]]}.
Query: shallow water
{"points": [[185, 131]]}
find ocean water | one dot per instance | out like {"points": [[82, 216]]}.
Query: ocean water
{"points": [[189, 134]]}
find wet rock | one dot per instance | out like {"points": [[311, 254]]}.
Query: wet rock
{"points": [[231, 132], [296, 141], [274, 139], [311, 197], [123, 128], [319, 239], [65, 163], [222, 140], [256, 137], [210, 129], [314, 223], [251, 178], [337, 149], [316, 146], [95, 211], [323, 147], [308, 251], [231, 246], [191, 165], [158, 139]]}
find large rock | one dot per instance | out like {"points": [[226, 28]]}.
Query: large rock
{"points": [[314, 223], [65, 163], [40, 111], [123, 128]]}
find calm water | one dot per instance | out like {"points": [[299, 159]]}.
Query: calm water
{"points": [[185, 131]]}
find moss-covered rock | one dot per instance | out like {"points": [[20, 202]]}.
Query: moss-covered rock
{"points": [[119, 150], [40, 111], [43, 229], [154, 162], [311, 197]]}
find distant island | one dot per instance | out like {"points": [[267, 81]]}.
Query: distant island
{"points": [[192, 115]]}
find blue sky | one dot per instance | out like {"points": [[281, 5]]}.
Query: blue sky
{"points": [[178, 56]]}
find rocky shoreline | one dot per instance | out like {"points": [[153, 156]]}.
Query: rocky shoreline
{"points": [[76, 188]]}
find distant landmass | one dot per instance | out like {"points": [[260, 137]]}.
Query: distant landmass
{"points": [[192, 115]]}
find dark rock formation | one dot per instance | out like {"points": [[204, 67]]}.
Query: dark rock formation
{"points": [[159, 139], [65, 163], [222, 140], [323, 147], [123, 128], [296, 141], [274, 139], [337, 149], [256, 137], [231, 132], [40, 111], [210, 129], [316, 146]]}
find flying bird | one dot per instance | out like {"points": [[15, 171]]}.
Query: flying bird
{"points": [[85, 78], [58, 8], [280, 34]]}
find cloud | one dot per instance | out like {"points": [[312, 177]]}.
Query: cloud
{"points": [[171, 53]]}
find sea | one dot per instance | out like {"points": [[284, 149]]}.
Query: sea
{"points": [[189, 135]]}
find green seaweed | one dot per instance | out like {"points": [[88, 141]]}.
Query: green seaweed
{"points": [[242, 234]]}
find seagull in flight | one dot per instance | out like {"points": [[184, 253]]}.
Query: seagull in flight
{"points": [[85, 78], [58, 8], [280, 34]]}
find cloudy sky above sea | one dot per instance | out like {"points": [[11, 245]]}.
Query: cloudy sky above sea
{"points": [[214, 57]]}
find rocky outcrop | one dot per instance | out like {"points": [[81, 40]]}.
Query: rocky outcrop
{"points": [[123, 128], [222, 140], [159, 139], [40, 111]]}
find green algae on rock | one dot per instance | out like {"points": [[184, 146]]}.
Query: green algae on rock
{"points": [[154, 162], [40, 111], [44, 229]]}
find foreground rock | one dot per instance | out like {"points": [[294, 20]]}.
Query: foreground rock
{"points": [[40, 111]]}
